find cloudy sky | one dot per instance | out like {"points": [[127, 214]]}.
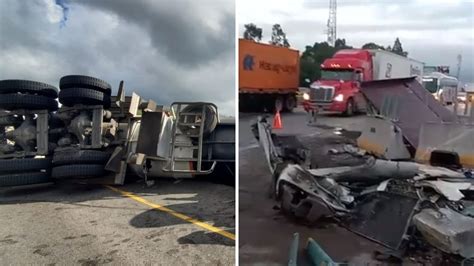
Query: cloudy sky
{"points": [[180, 50], [432, 31]]}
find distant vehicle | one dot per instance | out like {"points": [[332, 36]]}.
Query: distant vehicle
{"points": [[430, 69], [268, 76], [463, 93], [338, 88], [442, 87]]}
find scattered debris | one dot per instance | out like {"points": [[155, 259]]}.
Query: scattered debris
{"points": [[393, 203], [451, 190], [447, 230], [317, 255]]}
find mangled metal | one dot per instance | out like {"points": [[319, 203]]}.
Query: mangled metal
{"points": [[373, 171], [406, 120], [378, 194], [447, 230], [308, 197], [450, 190]]}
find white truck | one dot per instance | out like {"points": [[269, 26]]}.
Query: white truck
{"points": [[443, 87]]}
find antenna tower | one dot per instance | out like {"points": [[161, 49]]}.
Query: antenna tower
{"points": [[332, 23]]}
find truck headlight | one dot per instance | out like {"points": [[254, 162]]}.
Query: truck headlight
{"points": [[339, 98], [305, 96]]}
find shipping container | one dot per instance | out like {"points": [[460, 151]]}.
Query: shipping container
{"points": [[268, 75]]}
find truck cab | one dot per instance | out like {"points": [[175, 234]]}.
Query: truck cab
{"points": [[339, 84]]}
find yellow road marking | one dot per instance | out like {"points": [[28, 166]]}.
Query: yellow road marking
{"points": [[174, 213]]}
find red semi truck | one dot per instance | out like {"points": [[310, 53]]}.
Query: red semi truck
{"points": [[338, 88]]}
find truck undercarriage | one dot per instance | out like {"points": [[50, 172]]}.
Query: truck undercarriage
{"points": [[94, 137]]}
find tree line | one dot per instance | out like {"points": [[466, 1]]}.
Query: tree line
{"points": [[313, 55]]}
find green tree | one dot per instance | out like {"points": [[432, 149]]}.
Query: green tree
{"points": [[398, 49], [373, 46], [279, 36], [313, 56], [252, 32]]}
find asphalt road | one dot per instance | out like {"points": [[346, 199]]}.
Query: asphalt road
{"points": [[91, 225], [264, 233]]}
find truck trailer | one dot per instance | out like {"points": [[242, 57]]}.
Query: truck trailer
{"points": [[341, 75], [268, 76], [97, 137]]}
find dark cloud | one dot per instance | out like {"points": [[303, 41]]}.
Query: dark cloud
{"points": [[103, 43], [175, 27]]}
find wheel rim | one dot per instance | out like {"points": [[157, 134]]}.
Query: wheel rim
{"points": [[290, 103], [278, 104]]}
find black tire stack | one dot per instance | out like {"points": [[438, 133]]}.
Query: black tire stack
{"points": [[25, 95], [25, 171], [72, 163], [76, 89]]}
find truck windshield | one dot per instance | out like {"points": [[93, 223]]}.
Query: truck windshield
{"points": [[430, 85], [339, 74]]}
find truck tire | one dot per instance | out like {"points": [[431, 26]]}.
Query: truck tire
{"points": [[78, 81], [78, 171], [279, 103], [10, 120], [350, 107], [74, 156], [26, 101], [73, 96], [28, 86], [21, 179], [290, 103], [24, 165]]}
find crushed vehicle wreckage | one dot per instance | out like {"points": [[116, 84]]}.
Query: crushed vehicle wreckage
{"points": [[391, 189]]}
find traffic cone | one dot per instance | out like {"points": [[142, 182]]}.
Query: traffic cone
{"points": [[277, 121]]}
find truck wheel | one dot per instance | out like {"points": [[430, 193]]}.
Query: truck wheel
{"points": [[21, 179], [73, 96], [28, 86], [78, 81], [78, 171], [16, 101], [279, 103], [74, 156], [350, 107], [11, 121], [24, 165], [290, 103]]}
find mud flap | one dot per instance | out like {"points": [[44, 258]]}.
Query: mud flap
{"points": [[451, 137], [383, 138]]}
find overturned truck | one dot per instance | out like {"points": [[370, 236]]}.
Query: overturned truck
{"points": [[94, 137]]}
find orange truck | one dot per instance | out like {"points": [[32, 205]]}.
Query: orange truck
{"points": [[268, 76]]}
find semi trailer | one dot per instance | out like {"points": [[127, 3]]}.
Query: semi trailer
{"points": [[341, 75], [94, 137], [268, 76]]}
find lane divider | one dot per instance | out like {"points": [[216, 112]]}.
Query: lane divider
{"points": [[174, 213]]}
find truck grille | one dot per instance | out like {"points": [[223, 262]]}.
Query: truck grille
{"points": [[321, 94]]}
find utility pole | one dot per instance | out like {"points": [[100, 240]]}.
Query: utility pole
{"points": [[459, 66], [332, 23]]}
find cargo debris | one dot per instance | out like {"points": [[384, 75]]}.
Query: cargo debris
{"points": [[370, 197]]}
